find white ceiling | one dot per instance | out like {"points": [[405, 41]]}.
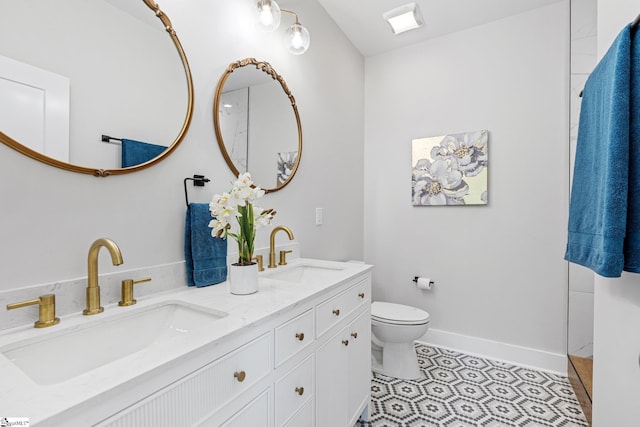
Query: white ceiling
{"points": [[361, 20]]}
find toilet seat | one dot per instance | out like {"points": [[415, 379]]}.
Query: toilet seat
{"points": [[398, 314]]}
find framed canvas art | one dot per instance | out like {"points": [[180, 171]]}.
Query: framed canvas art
{"points": [[450, 169]]}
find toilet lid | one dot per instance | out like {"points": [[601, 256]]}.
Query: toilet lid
{"points": [[397, 313]]}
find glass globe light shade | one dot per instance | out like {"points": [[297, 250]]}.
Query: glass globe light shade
{"points": [[297, 39], [268, 15]]}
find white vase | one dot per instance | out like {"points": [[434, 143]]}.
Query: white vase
{"points": [[243, 279]]}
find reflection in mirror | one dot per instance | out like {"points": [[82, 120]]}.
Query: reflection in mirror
{"points": [[95, 67], [257, 130]]}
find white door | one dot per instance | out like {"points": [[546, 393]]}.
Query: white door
{"points": [[34, 108]]}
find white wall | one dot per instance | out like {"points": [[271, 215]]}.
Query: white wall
{"points": [[616, 375], [501, 282], [49, 217]]}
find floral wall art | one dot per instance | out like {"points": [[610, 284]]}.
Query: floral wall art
{"points": [[450, 169], [286, 163]]}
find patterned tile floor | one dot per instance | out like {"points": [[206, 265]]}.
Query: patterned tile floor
{"points": [[459, 390]]}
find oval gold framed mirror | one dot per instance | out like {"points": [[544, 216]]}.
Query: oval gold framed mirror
{"points": [[107, 83], [257, 124]]}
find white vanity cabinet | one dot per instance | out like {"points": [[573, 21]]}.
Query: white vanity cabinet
{"points": [[306, 365]]}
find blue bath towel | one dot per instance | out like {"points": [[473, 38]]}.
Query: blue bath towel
{"points": [[205, 255], [599, 195], [632, 238], [136, 152]]}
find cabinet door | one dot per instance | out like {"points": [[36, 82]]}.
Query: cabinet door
{"points": [[331, 381], [304, 417], [359, 361]]}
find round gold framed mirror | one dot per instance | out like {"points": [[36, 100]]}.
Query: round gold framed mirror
{"points": [[108, 86], [257, 124]]}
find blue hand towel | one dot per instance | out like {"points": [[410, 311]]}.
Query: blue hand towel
{"points": [[632, 237], [205, 255], [598, 209], [136, 152]]}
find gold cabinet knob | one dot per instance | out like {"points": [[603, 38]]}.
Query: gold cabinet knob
{"points": [[361, 295], [240, 376], [336, 312], [300, 336], [354, 335], [127, 291], [345, 342], [300, 390], [46, 310]]}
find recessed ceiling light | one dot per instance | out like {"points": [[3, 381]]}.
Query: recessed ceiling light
{"points": [[404, 18]]}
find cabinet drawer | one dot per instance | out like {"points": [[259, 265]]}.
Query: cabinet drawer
{"points": [[203, 392], [294, 390], [293, 336], [244, 367], [255, 414], [337, 308]]}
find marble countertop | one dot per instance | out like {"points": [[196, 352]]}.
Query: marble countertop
{"points": [[20, 396]]}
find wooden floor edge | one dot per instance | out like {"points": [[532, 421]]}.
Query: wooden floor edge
{"points": [[580, 390]]}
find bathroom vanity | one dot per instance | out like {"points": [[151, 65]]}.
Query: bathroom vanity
{"points": [[296, 353]]}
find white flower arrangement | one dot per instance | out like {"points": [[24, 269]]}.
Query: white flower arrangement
{"points": [[238, 203]]}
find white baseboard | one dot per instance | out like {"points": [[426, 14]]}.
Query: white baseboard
{"points": [[517, 355]]}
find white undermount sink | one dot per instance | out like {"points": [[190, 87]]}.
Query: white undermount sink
{"points": [[306, 272], [65, 354]]}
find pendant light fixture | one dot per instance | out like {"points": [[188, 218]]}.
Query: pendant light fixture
{"points": [[296, 39], [268, 15]]}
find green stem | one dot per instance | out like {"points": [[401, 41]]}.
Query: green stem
{"points": [[246, 235]]}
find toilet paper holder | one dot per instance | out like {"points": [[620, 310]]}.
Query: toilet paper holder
{"points": [[415, 280]]}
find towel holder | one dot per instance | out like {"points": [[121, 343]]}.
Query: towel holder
{"points": [[110, 139], [198, 181], [634, 26]]}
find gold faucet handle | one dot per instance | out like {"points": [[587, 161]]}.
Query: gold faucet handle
{"points": [[127, 291], [283, 257], [47, 310], [260, 262]]}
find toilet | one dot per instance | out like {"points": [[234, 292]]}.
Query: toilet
{"points": [[394, 328]]}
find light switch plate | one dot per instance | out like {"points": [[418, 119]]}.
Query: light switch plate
{"points": [[319, 215]]}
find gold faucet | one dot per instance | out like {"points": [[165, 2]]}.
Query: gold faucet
{"points": [[93, 290], [283, 257], [47, 310], [272, 244], [258, 259], [127, 291]]}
